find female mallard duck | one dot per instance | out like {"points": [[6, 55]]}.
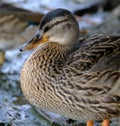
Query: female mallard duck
{"points": [[75, 77]]}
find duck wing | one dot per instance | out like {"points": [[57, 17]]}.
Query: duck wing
{"points": [[94, 49], [93, 68]]}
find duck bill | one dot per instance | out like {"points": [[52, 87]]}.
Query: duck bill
{"points": [[35, 41]]}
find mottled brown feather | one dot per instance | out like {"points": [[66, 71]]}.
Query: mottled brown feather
{"points": [[79, 83]]}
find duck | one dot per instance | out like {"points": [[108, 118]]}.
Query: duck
{"points": [[16, 25], [74, 76]]}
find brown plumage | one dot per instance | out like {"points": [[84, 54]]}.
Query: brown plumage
{"points": [[79, 79]]}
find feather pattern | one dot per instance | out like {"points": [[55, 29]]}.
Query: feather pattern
{"points": [[77, 77], [79, 84]]}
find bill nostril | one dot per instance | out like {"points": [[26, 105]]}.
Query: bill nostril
{"points": [[20, 50]]}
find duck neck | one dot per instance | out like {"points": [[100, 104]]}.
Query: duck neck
{"points": [[49, 59]]}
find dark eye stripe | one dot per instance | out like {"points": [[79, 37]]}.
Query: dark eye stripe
{"points": [[52, 15], [56, 23], [46, 29]]}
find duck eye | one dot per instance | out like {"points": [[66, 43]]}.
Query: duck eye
{"points": [[46, 29]]}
